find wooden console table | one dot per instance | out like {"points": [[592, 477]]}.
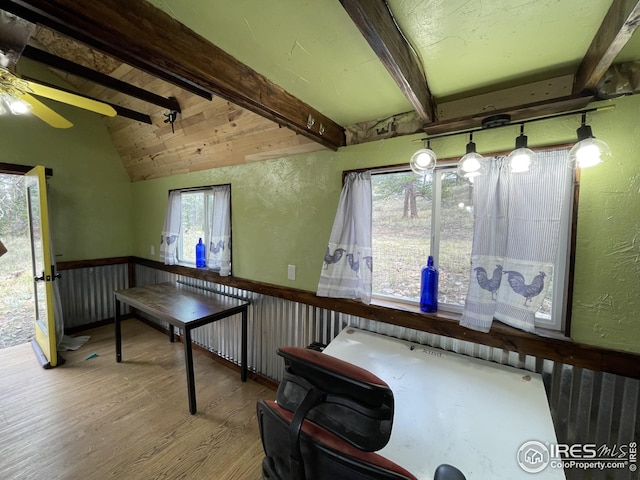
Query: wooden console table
{"points": [[186, 308]]}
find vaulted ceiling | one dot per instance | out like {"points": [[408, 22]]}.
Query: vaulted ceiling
{"points": [[299, 76]]}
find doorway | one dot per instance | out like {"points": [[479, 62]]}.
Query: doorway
{"points": [[16, 282]]}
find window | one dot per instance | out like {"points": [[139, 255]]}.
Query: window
{"points": [[194, 214], [414, 217]]}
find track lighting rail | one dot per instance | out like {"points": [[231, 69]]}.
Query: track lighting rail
{"points": [[586, 152], [504, 120]]}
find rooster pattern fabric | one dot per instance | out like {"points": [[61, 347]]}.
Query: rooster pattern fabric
{"points": [[171, 230], [219, 251], [347, 266], [517, 221]]}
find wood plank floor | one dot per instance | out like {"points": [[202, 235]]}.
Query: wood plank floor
{"points": [[96, 419]]}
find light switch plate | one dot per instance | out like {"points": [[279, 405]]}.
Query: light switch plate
{"points": [[291, 272]]}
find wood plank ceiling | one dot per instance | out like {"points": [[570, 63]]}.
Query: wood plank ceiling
{"points": [[231, 114], [207, 134]]}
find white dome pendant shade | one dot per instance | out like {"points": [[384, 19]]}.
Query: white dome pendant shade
{"points": [[472, 163], [423, 161], [522, 159], [588, 151]]}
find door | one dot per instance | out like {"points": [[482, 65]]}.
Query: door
{"points": [[43, 274]]}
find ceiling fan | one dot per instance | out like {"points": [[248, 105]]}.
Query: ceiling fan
{"points": [[16, 94]]}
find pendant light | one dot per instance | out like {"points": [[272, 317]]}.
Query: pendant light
{"points": [[522, 159], [588, 151], [15, 105], [424, 160], [472, 163]]}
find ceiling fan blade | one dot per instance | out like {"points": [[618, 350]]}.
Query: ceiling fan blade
{"points": [[44, 113], [71, 99]]}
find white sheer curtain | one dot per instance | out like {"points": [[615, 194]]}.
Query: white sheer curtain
{"points": [[346, 271], [515, 241], [171, 229], [219, 251]]}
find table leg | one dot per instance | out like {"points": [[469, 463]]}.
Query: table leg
{"points": [[243, 367], [171, 334], [188, 361], [118, 333]]}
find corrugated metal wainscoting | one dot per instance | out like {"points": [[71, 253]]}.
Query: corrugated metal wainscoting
{"points": [[86, 294], [586, 406]]}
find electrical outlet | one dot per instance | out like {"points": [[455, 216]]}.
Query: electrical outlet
{"points": [[153, 249], [291, 272]]}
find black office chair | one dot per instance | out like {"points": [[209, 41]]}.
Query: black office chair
{"points": [[329, 419]]}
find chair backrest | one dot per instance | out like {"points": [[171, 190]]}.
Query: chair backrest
{"points": [[344, 399], [324, 455], [329, 419]]}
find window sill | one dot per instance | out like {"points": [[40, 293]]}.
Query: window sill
{"points": [[191, 266], [446, 316]]}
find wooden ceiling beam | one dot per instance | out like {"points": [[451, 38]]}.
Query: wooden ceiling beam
{"points": [[32, 14], [521, 112], [138, 33], [523, 102], [81, 71], [616, 29], [130, 114], [377, 25]]}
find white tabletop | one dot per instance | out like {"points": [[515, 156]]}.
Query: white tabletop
{"points": [[450, 408]]}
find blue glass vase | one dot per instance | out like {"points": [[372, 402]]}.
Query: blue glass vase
{"points": [[429, 287], [200, 254]]}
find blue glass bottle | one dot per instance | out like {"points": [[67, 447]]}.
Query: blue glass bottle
{"points": [[429, 288], [200, 254]]}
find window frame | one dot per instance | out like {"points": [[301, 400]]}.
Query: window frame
{"points": [[206, 226], [560, 318], [436, 220], [206, 189]]}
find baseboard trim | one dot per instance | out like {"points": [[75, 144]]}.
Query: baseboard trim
{"points": [[101, 323]]}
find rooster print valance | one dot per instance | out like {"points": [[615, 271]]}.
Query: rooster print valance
{"points": [[516, 280], [347, 266], [517, 221], [512, 294]]}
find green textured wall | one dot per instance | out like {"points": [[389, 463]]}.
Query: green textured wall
{"points": [[89, 193], [606, 303], [283, 209], [283, 212]]}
